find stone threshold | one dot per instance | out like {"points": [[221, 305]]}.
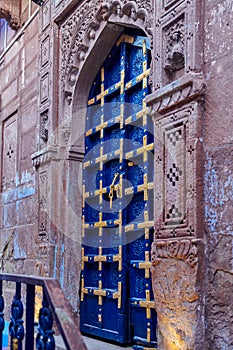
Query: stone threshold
{"points": [[91, 344]]}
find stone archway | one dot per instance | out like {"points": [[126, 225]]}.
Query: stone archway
{"points": [[86, 55], [127, 43], [60, 158], [95, 26]]}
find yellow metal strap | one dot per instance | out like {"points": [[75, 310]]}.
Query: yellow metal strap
{"points": [[100, 293], [148, 304], [117, 295], [83, 290], [146, 265]]}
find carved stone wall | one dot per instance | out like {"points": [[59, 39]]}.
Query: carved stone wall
{"points": [[175, 292], [177, 253], [18, 124], [177, 108], [10, 147], [179, 24], [60, 143], [58, 242]]}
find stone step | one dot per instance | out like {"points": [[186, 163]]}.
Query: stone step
{"points": [[91, 344]]}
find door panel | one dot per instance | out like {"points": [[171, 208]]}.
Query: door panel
{"points": [[116, 293]]}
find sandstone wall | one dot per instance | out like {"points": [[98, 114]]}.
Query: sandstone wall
{"points": [[18, 113], [218, 137]]}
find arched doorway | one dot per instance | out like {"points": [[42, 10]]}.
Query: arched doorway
{"points": [[116, 292]]}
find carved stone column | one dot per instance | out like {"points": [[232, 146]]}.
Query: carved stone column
{"points": [[178, 262], [177, 252]]}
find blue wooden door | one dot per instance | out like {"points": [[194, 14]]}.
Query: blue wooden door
{"points": [[116, 293]]}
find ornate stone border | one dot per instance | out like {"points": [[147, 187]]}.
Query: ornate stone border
{"points": [[81, 30], [181, 91], [184, 249]]}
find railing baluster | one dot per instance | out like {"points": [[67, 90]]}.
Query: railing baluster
{"points": [[45, 338], [30, 313], [2, 321], [54, 305], [16, 328]]}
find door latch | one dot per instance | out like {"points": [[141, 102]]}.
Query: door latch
{"points": [[113, 188]]}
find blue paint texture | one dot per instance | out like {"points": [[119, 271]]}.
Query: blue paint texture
{"points": [[55, 263], [62, 266], [218, 196], [19, 252]]}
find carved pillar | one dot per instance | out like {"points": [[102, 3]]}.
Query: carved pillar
{"points": [[178, 264], [10, 10], [58, 165], [46, 159]]}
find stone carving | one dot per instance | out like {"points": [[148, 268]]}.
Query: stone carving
{"points": [[43, 216], [9, 153], [44, 128], [174, 46], [82, 27], [45, 51], [169, 3], [174, 273], [177, 249], [10, 11], [46, 14], [44, 88], [45, 155], [183, 90], [174, 160], [176, 145]]}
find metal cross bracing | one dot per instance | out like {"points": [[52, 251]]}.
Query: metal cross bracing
{"points": [[116, 292]]}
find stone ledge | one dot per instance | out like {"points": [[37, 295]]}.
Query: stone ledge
{"points": [[44, 155], [179, 92]]}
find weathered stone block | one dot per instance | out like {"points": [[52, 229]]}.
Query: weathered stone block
{"points": [[31, 52], [28, 146], [9, 93], [24, 242], [26, 211], [29, 113], [9, 215]]}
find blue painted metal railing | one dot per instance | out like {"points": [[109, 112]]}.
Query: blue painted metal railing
{"points": [[54, 308]]}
